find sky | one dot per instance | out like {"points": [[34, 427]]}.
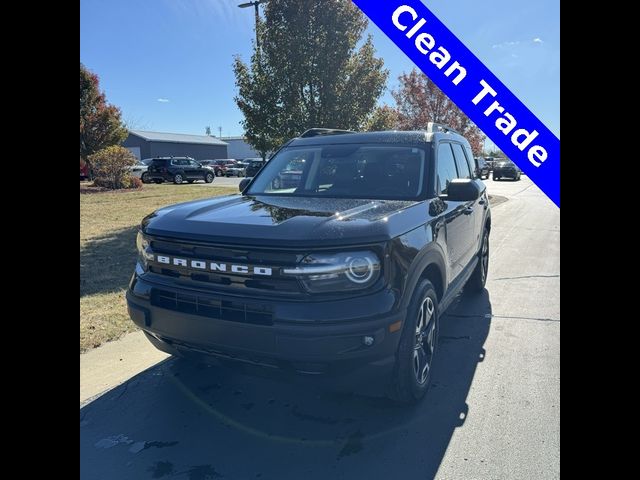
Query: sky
{"points": [[168, 63]]}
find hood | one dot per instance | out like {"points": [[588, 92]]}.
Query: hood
{"points": [[286, 221]]}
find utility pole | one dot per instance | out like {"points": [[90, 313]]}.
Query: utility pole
{"points": [[255, 4], [220, 130]]}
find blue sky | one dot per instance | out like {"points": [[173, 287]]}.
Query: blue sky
{"points": [[167, 63]]}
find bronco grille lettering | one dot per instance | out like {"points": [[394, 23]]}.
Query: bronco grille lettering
{"points": [[214, 266]]}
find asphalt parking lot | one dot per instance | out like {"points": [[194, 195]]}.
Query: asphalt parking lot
{"points": [[492, 413]]}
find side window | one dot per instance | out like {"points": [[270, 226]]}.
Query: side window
{"points": [[194, 163], [446, 167], [473, 163], [461, 161]]}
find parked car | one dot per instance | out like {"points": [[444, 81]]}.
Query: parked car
{"points": [[345, 278], [139, 170], [490, 161], [235, 170], [178, 170], [506, 169], [254, 167], [481, 168], [220, 165]]}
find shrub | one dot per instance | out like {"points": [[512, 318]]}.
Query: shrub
{"points": [[133, 182], [109, 167]]}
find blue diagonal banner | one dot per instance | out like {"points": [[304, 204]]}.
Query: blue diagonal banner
{"points": [[471, 86]]}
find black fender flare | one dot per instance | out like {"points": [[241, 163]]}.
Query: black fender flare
{"points": [[431, 255]]}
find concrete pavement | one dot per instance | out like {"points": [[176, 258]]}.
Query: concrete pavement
{"points": [[492, 413]]}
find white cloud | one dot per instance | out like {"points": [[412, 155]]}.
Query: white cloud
{"points": [[163, 100], [537, 40], [506, 44]]}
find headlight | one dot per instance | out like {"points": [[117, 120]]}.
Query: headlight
{"points": [[333, 272], [143, 250]]}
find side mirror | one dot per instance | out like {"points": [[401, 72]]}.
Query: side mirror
{"points": [[244, 182], [462, 190]]}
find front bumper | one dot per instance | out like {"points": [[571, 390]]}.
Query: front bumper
{"points": [[320, 339]]}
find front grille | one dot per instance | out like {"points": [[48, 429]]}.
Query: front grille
{"points": [[205, 306], [227, 281]]}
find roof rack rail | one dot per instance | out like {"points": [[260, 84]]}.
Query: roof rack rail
{"points": [[314, 132], [433, 127]]}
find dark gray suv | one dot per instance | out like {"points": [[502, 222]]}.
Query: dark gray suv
{"points": [[342, 273], [178, 170]]}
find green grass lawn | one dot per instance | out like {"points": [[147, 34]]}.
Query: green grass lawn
{"points": [[108, 226]]}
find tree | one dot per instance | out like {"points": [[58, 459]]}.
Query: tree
{"points": [[207, 131], [419, 101], [100, 123], [110, 166], [307, 72], [382, 118]]}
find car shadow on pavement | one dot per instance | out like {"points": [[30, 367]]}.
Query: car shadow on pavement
{"points": [[107, 262], [181, 420]]}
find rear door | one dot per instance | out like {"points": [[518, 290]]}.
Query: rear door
{"points": [[456, 222]]}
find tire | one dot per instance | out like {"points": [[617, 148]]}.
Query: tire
{"points": [[158, 181], [144, 177], [495, 178], [218, 173], [178, 178], [413, 367], [478, 278], [208, 178]]}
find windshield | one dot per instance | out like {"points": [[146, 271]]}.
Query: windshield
{"points": [[344, 171]]}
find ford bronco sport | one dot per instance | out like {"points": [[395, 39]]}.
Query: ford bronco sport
{"points": [[341, 273]]}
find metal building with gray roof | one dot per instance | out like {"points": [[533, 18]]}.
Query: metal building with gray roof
{"points": [[145, 144]]}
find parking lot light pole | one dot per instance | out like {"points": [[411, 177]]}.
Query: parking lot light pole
{"points": [[255, 4]]}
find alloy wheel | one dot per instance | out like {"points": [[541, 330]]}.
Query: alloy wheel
{"points": [[425, 341], [484, 257]]}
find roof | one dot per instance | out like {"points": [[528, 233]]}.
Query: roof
{"points": [[177, 137], [395, 137], [226, 139]]}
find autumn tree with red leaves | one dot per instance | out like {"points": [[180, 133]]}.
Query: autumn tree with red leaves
{"points": [[419, 101], [100, 123]]}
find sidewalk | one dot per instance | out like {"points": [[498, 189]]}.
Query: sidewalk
{"points": [[113, 363]]}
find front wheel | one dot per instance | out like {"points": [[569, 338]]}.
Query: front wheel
{"points": [[495, 178], [418, 345], [208, 178], [478, 278], [144, 177], [178, 178]]}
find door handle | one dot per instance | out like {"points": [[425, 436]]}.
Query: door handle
{"points": [[482, 201], [468, 210]]}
